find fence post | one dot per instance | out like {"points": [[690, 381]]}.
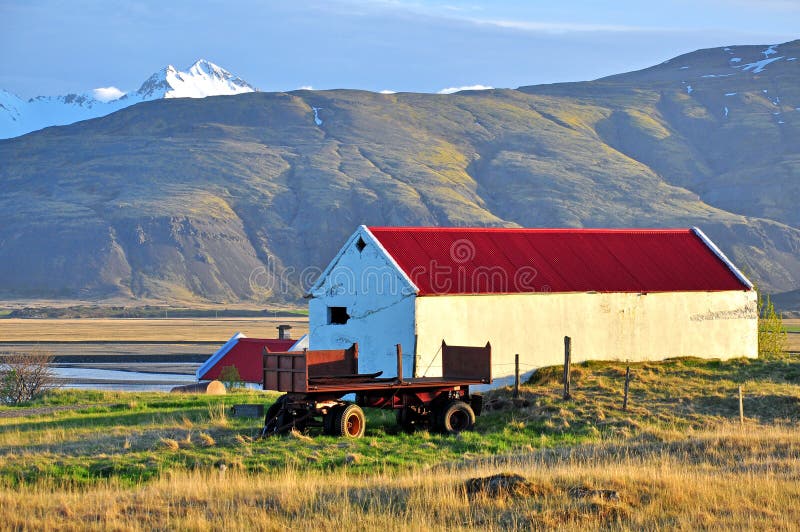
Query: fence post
{"points": [[567, 362], [627, 382], [399, 349], [516, 376], [741, 407]]}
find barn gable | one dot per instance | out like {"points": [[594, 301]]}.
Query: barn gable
{"points": [[363, 296], [383, 264]]}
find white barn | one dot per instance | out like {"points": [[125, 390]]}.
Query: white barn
{"points": [[620, 294]]}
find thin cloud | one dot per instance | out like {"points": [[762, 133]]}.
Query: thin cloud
{"points": [[776, 5], [306, 88], [462, 14], [107, 94], [451, 90], [563, 27], [387, 91]]}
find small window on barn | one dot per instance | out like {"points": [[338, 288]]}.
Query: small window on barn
{"points": [[360, 245], [338, 315]]}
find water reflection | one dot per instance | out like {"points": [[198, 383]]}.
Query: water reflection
{"points": [[152, 377]]}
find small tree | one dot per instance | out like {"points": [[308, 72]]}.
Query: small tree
{"points": [[230, 377], [772, 338], [24, 376]]}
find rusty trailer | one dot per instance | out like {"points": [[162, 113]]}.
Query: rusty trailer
{"points": [[315, 382]]}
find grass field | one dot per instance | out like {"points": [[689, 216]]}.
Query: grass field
{"points": [[677, 458], [719, 479], [158, 330]]}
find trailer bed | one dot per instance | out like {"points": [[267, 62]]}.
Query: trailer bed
{"points": [[337, 370], [390, 384]]}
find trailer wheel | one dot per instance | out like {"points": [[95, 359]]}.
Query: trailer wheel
{"points": [[279, 419], [457, 416], [274, 418], [349, 421]]}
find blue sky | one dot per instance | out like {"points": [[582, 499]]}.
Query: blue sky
{"points": [[59, 46]]}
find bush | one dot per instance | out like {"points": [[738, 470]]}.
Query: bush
{"points": [[772, 339], [25, 376], [231, 378]]}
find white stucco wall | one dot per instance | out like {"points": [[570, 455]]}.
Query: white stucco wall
{"points": [[617, 326], [381, 307]]}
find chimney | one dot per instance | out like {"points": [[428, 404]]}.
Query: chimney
{"points": [[283, 332]]}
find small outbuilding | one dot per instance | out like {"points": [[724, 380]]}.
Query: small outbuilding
{"points": [[620, 294], [246, 355]]}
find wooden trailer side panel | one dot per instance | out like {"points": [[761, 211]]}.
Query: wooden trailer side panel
{"points": [[290, 372], [285, 372], [467, 363], [326, 363]]}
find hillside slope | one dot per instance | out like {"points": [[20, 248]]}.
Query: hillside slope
{"points": [[245, 197]]}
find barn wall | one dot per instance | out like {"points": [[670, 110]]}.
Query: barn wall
{"points": [[380, 304], [618, 326]]}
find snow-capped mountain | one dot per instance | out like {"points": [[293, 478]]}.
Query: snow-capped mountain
{"points": [[203, 78]]}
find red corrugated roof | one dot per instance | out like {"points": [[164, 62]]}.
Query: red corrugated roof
{"points": [[247, 357], [488, 261]]}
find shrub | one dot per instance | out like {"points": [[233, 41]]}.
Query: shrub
{"points": [[25, 376], [772, 339], [231, 378]]}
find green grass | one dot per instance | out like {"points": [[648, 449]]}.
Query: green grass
{"points": [[677, 394], [137, 437], [121, 435]]}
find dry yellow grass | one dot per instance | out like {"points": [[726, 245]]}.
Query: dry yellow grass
{"points": [[793, 342], [726, 478], [793, 325], [154, 330]]}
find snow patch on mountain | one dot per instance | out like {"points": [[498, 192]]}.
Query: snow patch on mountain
{"points": [[759, 66], [200, 80], [452, 90]]}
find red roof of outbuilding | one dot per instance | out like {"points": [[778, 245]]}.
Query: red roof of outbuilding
{"points": [[489, 261], [246, 355]]}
